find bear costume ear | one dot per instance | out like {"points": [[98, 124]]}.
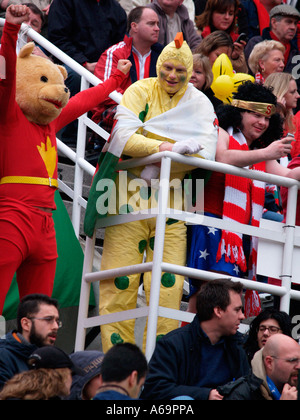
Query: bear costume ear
{"points": [[63, 72], [26, 50]]}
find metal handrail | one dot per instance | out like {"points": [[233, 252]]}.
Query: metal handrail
{"points": [[287, 238]]}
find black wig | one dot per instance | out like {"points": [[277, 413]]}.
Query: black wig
{"points": [[230, 116]]}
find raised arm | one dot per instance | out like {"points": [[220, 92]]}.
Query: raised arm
{"points": [[88, 99], [15, 16], [242, 158]]}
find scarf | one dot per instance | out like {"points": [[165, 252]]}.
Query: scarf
{"points": [[263, 16], [243, 203], [273, 389]]}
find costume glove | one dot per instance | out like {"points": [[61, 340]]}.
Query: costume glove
{"points": [[187, 147]]}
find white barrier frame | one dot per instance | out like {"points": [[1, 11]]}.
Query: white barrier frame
{"points": [[157, 266]]}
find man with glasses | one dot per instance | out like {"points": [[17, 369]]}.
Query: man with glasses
{"points": [[274, 373], [37, 326]]}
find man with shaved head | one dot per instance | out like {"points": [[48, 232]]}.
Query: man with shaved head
{"points": [[274, 373]]}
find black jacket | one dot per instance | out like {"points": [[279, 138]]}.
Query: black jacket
{"points": [[13, 356], [84, 29], [174, 366], [246, 388]]}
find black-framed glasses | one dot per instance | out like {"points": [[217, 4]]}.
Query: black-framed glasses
{"points": [[272, 329], [49, 320]]}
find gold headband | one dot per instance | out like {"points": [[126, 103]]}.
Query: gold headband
{"points": [[261, 108]]}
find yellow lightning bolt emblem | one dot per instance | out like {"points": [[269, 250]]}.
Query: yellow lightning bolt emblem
{"points": [[48, 154]]}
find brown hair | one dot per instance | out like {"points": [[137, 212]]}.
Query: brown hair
{"points": [[205, 19], [214, 41], [214, 294]]}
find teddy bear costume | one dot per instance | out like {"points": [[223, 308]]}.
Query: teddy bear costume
{"points": [[32, 109]]}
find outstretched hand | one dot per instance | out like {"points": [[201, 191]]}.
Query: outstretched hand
{"points": [[17, 14], [124, 66]]}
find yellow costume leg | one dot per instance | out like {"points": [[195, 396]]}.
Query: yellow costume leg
{"points": [[171, 287], [123, 245]]}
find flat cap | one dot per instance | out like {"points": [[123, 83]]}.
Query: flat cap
{"points": [[284, 10]]}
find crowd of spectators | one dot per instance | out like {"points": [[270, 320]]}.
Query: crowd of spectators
{"points": [[209, 358]]}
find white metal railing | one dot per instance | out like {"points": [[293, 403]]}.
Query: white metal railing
{"points": [[287, 237], [157, 266]]}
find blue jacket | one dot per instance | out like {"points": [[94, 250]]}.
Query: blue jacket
{"points": [[13, 356], [175, 365], [84, 29]]}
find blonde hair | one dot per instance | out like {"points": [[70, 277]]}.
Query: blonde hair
{"points": [[39, 384], [280, 83], [202, 61], [261, 52]]}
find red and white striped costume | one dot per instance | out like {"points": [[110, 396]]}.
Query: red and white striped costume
{"points": [[243, 203]]}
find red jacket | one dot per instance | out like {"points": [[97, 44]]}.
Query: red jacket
{"points": [[108, 63]]}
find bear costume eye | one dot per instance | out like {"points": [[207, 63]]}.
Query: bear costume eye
{"points": [[44, 79]]}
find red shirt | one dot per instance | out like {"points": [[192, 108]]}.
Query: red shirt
{"points": [[20, 138]]}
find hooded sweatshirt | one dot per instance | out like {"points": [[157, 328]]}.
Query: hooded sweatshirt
{"points": [[259, 371], [14, 352], [187, 26]]}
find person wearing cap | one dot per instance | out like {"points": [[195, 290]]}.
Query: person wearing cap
{"points": [[249, 128], [84, 387], [283, 28], [185, 123], [49, 377], [37, 325]]}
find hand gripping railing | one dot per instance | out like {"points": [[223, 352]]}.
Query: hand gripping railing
{"points": [[157, 266]]}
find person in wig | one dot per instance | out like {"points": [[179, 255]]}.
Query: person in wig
{"points": [[249, 132], [164, 113]]}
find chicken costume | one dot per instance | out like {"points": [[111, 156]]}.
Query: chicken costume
{"points": [[33, 108], [146, 117]]}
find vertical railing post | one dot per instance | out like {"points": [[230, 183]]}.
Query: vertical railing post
{"points": [[287, 259], [84, 293], [79, 172], [158, 255]]}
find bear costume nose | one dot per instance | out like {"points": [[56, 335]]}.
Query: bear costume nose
{"points": [[66, 90]]}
